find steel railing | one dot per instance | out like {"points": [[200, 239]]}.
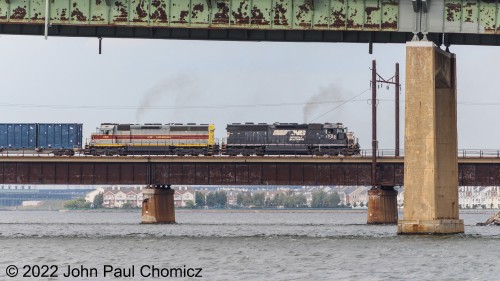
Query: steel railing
{"points": [[364, 153]]}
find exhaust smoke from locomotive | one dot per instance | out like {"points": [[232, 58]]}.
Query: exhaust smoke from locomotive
{"points": [[326, 94], [178, 90]]}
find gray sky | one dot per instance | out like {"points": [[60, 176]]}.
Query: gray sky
{"points": [[66, 80]]}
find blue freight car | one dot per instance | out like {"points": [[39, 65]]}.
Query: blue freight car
{"points": [[17, 136], [60, 136], [57, 138]]}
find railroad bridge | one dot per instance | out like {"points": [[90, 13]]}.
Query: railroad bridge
{"points": [[159, 170], [431, 165]]}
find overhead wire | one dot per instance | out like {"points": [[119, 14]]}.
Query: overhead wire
{"points": [[220, 106], [60, 106], [340, 105]]}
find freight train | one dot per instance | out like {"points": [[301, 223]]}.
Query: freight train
{"points": [[182, 139]]}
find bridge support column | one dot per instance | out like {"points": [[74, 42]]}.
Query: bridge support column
{"points": [[382, 206], [158, 205], [431, 163]]}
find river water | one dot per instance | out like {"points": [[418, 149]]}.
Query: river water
{"points": [[240, 245]]}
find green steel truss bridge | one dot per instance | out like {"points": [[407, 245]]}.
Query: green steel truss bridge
{"points": [[445, 22]]}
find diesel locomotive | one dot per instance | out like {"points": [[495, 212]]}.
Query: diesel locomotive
{"points": [[153, 139], [290, 139]]}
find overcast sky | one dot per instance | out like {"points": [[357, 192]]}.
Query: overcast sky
{"points": [[163, 81]]}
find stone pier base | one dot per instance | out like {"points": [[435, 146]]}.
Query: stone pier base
{"points": [[430, 226], [158, 206], [382, 206]]}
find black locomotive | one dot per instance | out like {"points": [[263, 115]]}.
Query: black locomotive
{"points": [[290, 139]]}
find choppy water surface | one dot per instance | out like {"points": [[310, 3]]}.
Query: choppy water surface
{"points": [[247, 245]]}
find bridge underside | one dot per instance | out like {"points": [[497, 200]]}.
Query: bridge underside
{"points": [[389, 174], [362, 21], [256, 35]]}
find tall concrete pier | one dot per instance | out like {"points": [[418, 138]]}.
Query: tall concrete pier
{"points": [[158, 205], [431, 163]]}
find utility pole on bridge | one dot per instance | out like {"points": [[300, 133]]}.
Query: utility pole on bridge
{"points": [[382, 201]]}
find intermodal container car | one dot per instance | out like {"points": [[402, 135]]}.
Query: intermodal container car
{"points": [[59, 135], [57, 138], [17, 136]]}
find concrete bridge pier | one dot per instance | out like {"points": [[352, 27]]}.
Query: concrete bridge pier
{"points": [[158, 205], [382, 205], [431, 162]]}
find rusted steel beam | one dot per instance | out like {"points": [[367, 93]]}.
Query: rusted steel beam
{"points": [[375, 21], [195, 173], [249, 14], [226, 173], [390, 174]]}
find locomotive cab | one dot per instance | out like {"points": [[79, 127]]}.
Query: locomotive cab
{"points": [[104, 135], [106, 129]]}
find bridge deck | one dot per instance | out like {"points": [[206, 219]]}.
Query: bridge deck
{"points": [[225, 170]]}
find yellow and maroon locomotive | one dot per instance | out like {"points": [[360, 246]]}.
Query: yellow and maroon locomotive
{"points": [[153, 139]]}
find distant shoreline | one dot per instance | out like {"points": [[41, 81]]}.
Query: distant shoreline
{"points": [[243, 210], [312, 210], [291, 210]]}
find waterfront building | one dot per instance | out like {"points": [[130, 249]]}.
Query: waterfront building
{"points": [[182, 195], [473, 197], [117, 197]]}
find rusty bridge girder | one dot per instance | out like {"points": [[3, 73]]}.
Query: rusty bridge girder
{"points": [[473, 22], [213, 171], [195, 173]]}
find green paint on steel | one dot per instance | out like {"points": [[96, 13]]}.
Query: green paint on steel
{"points": [[390, 13], [471, 16], [338, 12], [460, 16], [487, 17], [246, 14]]}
